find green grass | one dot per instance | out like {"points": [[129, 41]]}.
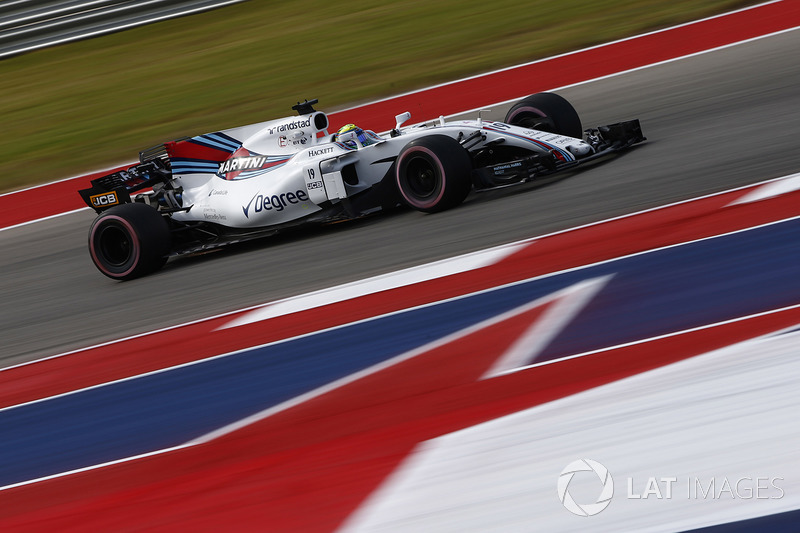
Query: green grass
{"points": [[92, 104]]}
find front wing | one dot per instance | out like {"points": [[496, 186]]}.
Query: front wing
{"points": [[605, 140]]}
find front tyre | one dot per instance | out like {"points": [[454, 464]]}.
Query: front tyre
{"points": [[433, 173], [128, 241], [546, 112]]}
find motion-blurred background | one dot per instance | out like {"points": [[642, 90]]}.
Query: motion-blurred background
{"points": [[93, 103]]}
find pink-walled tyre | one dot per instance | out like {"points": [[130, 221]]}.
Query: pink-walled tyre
{"points": [[546, 112], [433, 173], [128, 241]]}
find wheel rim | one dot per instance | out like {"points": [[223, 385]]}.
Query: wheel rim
{"points": [[115, 245], [422, 177]]}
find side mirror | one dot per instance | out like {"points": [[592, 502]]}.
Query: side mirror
{"points": [[480, 116], [401, 119]]}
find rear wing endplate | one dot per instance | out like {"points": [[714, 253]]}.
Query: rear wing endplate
{"points": [[116, 188]]}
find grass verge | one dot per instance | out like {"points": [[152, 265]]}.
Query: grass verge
{"points": [[92, 104]]}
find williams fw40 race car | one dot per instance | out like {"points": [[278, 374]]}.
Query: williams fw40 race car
{"points": [[199, 193]]}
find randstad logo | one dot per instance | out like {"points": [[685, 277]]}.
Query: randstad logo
{"points": [[585, 509]]}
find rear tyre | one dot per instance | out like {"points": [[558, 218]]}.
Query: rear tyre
{"points": [[128, 241], [433, 173], [546, 112]]}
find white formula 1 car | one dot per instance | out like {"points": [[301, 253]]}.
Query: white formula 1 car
{"points": [[202, 192]]}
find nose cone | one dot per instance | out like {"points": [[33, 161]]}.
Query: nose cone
{"points": [[579, 149]]}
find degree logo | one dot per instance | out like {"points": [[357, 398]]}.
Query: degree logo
{"points": [[264, 202]]}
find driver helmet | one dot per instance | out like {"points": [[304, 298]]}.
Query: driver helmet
{"points": [[352, 136]]}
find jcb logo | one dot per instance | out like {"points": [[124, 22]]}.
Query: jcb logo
{"points": [[104, 200]]}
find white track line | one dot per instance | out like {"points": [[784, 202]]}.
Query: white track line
{"points": [[385, 282], [770, 190], [57, 215]]}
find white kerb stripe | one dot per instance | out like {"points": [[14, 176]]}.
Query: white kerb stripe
{"points": [[393, 280], [770, 190]]}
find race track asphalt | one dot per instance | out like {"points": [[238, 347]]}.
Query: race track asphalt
{"points": [[714, 121]]}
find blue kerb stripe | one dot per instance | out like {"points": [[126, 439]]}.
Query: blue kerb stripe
{"points": [[785, 522]]}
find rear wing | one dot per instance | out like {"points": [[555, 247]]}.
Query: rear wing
{"points": [[116, 188]]}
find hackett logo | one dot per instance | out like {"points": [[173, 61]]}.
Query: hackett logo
{"points": [[320, 151]]}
